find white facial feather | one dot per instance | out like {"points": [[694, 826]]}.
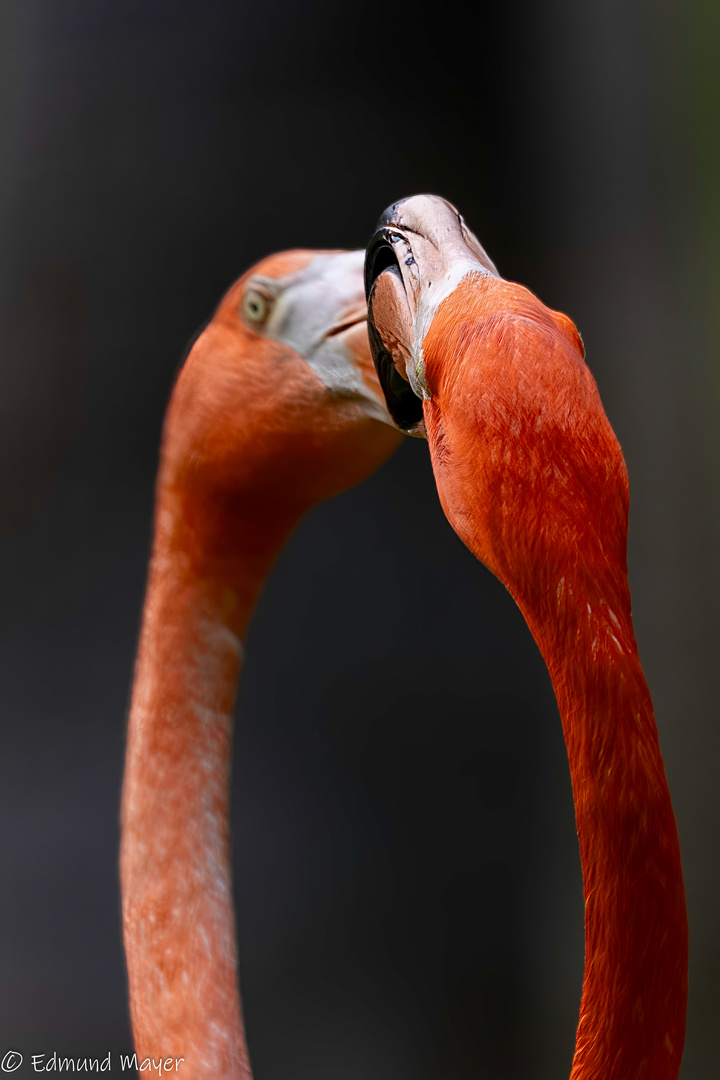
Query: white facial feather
{"points": [[429, 302], [328, 292]]}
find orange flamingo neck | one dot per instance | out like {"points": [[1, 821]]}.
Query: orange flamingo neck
{"points": [[208, 565], [632, 1015], [532, 479]]}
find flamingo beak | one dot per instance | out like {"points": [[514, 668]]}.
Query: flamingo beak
{"points": [[420, 250], [391, 328]]}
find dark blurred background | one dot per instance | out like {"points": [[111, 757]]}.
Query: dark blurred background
{"points": [[407, 877]]}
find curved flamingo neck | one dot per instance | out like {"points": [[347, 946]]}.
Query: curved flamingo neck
{"points": [[208, 565], [632, 1015], [532, 479]]}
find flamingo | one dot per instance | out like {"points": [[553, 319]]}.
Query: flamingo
{"points": [[276, 408], [532, 479]]}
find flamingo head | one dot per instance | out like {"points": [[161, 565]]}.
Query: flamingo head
{"points": [[419, 252], [278, 395], [528, 469]]}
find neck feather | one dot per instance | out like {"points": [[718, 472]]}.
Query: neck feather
{"points": [[208, 566]]}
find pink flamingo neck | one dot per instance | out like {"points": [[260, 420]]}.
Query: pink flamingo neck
{"points": [[208, 566]]}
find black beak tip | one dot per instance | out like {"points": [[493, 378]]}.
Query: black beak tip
{"points": [[404, 407]]}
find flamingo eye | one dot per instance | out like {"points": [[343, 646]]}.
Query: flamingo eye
{"points": [[255, 307]]}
